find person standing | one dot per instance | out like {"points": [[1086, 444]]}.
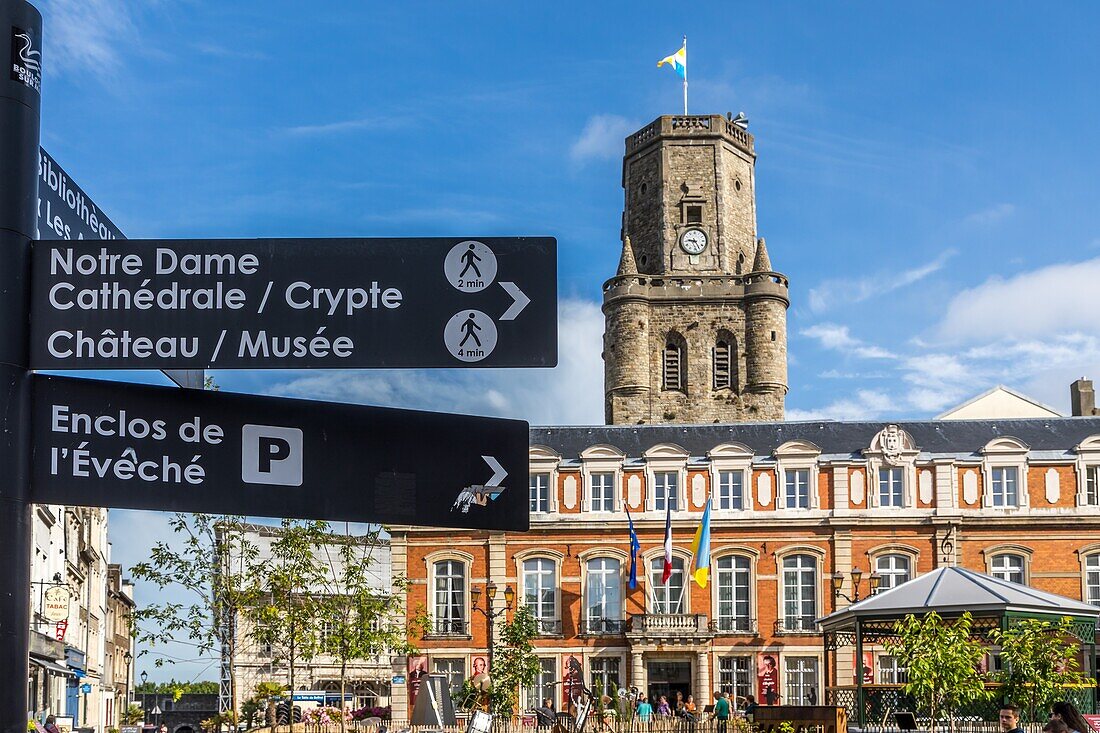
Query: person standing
{"points": [[1068, 714], [645, 710], [1009, 718], [721, 710], [51, 725], [750, 705]]}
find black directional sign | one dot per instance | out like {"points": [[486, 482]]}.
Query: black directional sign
{"points": [[138, 447], [295, 303]]}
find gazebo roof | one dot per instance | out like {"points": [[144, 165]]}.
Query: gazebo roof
{"points": [[951, 591]]}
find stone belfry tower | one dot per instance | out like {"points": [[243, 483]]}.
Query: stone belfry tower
{"points": [[695, 317]]}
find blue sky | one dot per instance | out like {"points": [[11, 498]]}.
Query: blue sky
{"points": [[926, 173]]}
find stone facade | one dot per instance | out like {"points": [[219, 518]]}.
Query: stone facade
{"points": [[669, 311]]}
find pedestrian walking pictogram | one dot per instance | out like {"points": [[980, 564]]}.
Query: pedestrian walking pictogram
{"points": [[470, 266], [470, 335]]}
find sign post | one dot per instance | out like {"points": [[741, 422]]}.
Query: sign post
{"points": [[20, 106]]}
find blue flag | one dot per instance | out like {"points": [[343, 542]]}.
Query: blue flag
{"points": [[635, 546]]}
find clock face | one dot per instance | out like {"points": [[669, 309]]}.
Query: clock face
{"points": [[693, 241]]}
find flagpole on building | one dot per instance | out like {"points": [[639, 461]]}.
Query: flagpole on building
{"points": [[685, 77]]}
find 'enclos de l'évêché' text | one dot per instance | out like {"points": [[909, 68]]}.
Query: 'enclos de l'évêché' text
{"points": [[159, 281], [144, 460]]}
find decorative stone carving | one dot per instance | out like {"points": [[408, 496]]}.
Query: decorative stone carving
{"points": [[926, 487], [570, 492], [634, 491], [855, 484], [698, 489], [970, 486], [892, 446], [764, 489], [1053, 487]]}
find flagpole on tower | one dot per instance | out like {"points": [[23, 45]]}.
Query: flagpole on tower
{"points": [[685, 77]]}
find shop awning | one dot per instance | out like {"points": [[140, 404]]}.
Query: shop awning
{"points": [[52, 667]]}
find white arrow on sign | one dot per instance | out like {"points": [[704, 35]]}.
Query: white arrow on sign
{"points": [[480, 493], [520, 301], [498, 470], [156, 710]]}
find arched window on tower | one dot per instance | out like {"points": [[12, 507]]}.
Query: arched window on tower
{"points": [[673, 376], [724, 358]]}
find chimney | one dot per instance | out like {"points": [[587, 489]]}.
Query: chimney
{"points": [[1082, 399]]}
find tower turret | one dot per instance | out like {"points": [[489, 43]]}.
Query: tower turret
{"points": [[678, 345]]}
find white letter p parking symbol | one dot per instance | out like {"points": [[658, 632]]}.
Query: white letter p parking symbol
{"points": [[271, 455]]}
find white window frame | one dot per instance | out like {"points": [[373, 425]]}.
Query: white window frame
{"points": [[1088, 459], [652, 579], [662, 458], [545, 460], [539, 568], [617, 584], [1004, 491], [731, 458], [739, 623], [797, 474], [998, 565], [602, 459], [603, 659], [1005, 452], [817, 555], [464, 604], [740, 687], [891, 558], [544, 682], [534, 501], [791, 697], [796, 455], [895, 484], [903, 456], [1090, 576]]}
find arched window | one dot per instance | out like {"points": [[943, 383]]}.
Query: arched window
{"points": [[1092, 579], [667, 598], [450, 597], [724, 359], [1008, 567], [893, 570], [539, 588], [799, 592], [603, 596], [674, 376], [734, 581], [723, 370]]}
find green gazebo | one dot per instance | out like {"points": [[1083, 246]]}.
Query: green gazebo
{"points": [[949, 591]]}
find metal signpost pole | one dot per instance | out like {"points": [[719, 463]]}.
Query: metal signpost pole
{"points": [[20, 106]]}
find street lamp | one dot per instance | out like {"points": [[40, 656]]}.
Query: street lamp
{"points": [[129, 687], [489, 613], [144, 694], [857, 575]]}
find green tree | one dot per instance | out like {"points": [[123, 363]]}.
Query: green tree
{"points": [[288, 613], [212, 560], [133, 714], [515, 663], [267, 693], [1039, 660], [943, 663], [361, 619]]}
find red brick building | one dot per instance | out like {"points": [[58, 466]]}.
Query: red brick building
{"points": [[794, 504]]}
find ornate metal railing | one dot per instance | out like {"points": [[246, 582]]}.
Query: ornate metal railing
{"points": [[548, 626], [733, 625], [448, 627], [796, 625], [602, 626]]}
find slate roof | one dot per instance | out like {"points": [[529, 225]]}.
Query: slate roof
{"points": [[952, 590], [952, 437]]}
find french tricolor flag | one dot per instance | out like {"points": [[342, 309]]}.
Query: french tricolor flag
{"points": [[667, 572]]}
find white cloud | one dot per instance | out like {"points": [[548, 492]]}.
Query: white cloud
{"points": [[571, 393], [340, 126], [602, 138], [839, 291], [1035, 332], [837, 338], [85, 35], [1054, 299], [865, 404], [991, 215]]}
